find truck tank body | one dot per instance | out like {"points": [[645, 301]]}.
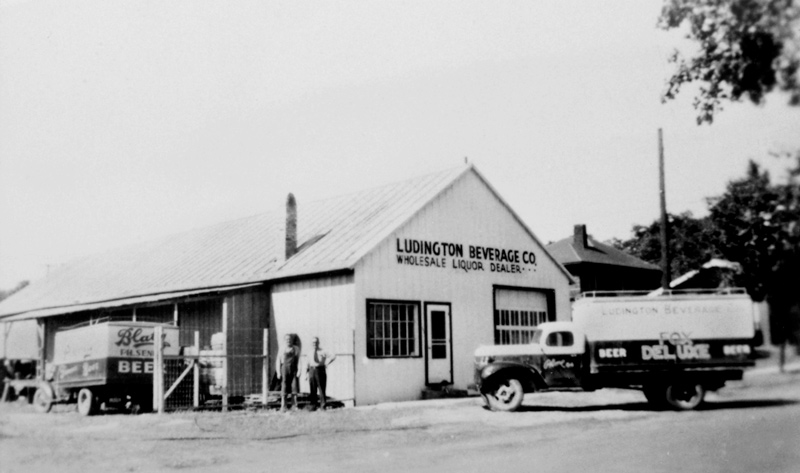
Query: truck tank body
{"points": [[668, 331]]}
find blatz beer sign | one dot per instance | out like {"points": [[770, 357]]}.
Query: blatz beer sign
{"points": [[137, 341]]}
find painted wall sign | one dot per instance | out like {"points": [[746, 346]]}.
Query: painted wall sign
{"points": [[467, 258], [672, 345], [105, 370], [649, 318], [670, 348]]}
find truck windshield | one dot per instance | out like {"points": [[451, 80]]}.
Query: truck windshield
{"points": [[537, 336]]}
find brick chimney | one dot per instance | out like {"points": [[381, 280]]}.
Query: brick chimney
{"points": [[291, 226], [579, 238]]}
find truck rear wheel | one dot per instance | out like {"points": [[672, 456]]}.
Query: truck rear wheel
{"points": [[87, 403], [506, 395], [685, 396]]}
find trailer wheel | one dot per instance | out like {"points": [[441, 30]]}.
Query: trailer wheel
{"points": [[685, 396], [506, 395], [43, 399], [87, 403]]}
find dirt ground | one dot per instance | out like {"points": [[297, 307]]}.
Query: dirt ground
{"points": [[245, 440], [260, 440]]}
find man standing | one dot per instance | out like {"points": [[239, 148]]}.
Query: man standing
{"points": [[317, 377], [286, 367]]}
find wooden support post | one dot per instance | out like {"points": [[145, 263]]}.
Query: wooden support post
{"points": [[6, 330], [666, 264], [5, 392], [225, 390], [225, 355], [265, 369], [354, 367], [158, 371], [196, 361], [41, 341]]}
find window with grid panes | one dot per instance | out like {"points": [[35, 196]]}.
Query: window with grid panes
{"points": [[514, 327], [517, 313], [392, 329]]}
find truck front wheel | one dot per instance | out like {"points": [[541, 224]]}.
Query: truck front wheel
{"points": [[505, 395], [87, 404], [685, 396]]}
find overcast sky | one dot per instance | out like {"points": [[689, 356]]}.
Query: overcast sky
{"points": [[127, 120]]}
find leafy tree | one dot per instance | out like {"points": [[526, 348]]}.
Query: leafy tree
{"points": [[759, 227], [746, 49], [755, 223], [743, 216], [691, 243]]}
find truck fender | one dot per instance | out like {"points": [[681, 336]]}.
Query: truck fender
{"points": [[530, 378]]}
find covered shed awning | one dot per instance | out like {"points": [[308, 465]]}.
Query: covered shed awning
{"points": [[49, 312]]}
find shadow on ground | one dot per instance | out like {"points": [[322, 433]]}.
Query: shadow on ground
{"points": [[644, 406]]}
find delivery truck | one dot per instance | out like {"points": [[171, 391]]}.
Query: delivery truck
{"points": [[673, 347], [108, 364]]}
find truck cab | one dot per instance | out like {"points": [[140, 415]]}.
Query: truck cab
{"points": [[556, 357]]}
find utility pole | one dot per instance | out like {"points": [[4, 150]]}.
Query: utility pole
{"points": [[666, 277]]}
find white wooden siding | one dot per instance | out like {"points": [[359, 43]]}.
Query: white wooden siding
{"points": [[323, 308], [467, 213]]}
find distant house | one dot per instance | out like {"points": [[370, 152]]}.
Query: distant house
{"points": [[596, 266], [402, 282]]}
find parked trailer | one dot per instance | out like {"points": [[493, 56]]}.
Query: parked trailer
{"points": [[108, 364]]}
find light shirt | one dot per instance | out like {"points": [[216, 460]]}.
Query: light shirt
{"points": [[320, 358]]}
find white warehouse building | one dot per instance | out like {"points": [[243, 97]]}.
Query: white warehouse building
{"points": [[402, 282]]}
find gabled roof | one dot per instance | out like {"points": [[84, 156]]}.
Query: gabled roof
{"points": [[333, 234], [581, 248]]}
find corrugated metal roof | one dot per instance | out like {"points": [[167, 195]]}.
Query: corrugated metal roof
{"points": [[333, 234], [120, 302], [566, 251]]}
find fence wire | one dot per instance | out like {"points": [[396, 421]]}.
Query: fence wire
{"points": [[227, 371]]}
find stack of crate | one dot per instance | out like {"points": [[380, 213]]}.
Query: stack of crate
{"points": [[212, 365]]}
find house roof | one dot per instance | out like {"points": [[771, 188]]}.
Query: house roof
{"points": [[696, 274], [582, 248], [333, 234]]}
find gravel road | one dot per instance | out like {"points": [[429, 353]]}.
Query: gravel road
{"points": [[607, 430]]}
